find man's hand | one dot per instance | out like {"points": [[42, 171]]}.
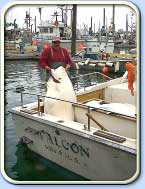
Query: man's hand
{"points": [[67, 67], [48, 69], [52, 73]]}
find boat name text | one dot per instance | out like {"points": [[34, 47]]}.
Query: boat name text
{"points": [[57, 140]]}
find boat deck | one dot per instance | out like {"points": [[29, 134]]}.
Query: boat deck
{"points": [[119, 93]]}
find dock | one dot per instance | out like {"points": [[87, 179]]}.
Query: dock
{"points": [[17, 55]]}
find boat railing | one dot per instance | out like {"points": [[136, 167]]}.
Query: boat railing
{"points": [[39, 100], [90, 79]]}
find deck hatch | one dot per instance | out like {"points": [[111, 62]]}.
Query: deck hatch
{"points": [[109, 136]]}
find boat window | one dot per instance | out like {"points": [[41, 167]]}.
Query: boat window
{"points": [[51, 30], [44, 30]]}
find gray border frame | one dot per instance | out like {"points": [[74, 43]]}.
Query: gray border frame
{"points": [[45, 3]]}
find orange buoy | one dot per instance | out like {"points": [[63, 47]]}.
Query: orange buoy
{"points": [[45, 46], [105, 70], [81, 46]]}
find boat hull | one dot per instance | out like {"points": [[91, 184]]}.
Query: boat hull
{"points": [[76, 149]]}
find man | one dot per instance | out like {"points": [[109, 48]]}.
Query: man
{"points": [[21, 45], [55, 56]]}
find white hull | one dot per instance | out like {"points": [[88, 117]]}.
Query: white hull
{"points": [[78, 150]]}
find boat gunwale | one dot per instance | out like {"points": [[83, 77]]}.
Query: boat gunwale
{"points": [[85, 133]]}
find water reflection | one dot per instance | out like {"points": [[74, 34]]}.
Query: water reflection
{"points": [[32, 167]]}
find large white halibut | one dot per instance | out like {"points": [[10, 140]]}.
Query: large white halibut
{"points": [[63, 90]]}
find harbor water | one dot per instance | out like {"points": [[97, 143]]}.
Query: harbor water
{"points": [[20, 163]]}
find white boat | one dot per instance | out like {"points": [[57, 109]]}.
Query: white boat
{"points": [[100, 144], [47, 30]]}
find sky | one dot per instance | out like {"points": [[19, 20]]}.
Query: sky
{"points": [[84, 13]]}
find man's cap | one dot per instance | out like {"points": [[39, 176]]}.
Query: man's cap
{"points": [[56, 38], [129, 61]]}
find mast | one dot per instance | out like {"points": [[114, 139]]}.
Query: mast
{"points": [[104, 18], [56, 15], [113, 20], [66, 13], [127, 26], [35, 23], [91, 23], [29, 18], [94, 27], [74, 22], [99, 26], [40, 11]]}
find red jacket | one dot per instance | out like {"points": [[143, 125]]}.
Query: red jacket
{"points": [[50, 55]]}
